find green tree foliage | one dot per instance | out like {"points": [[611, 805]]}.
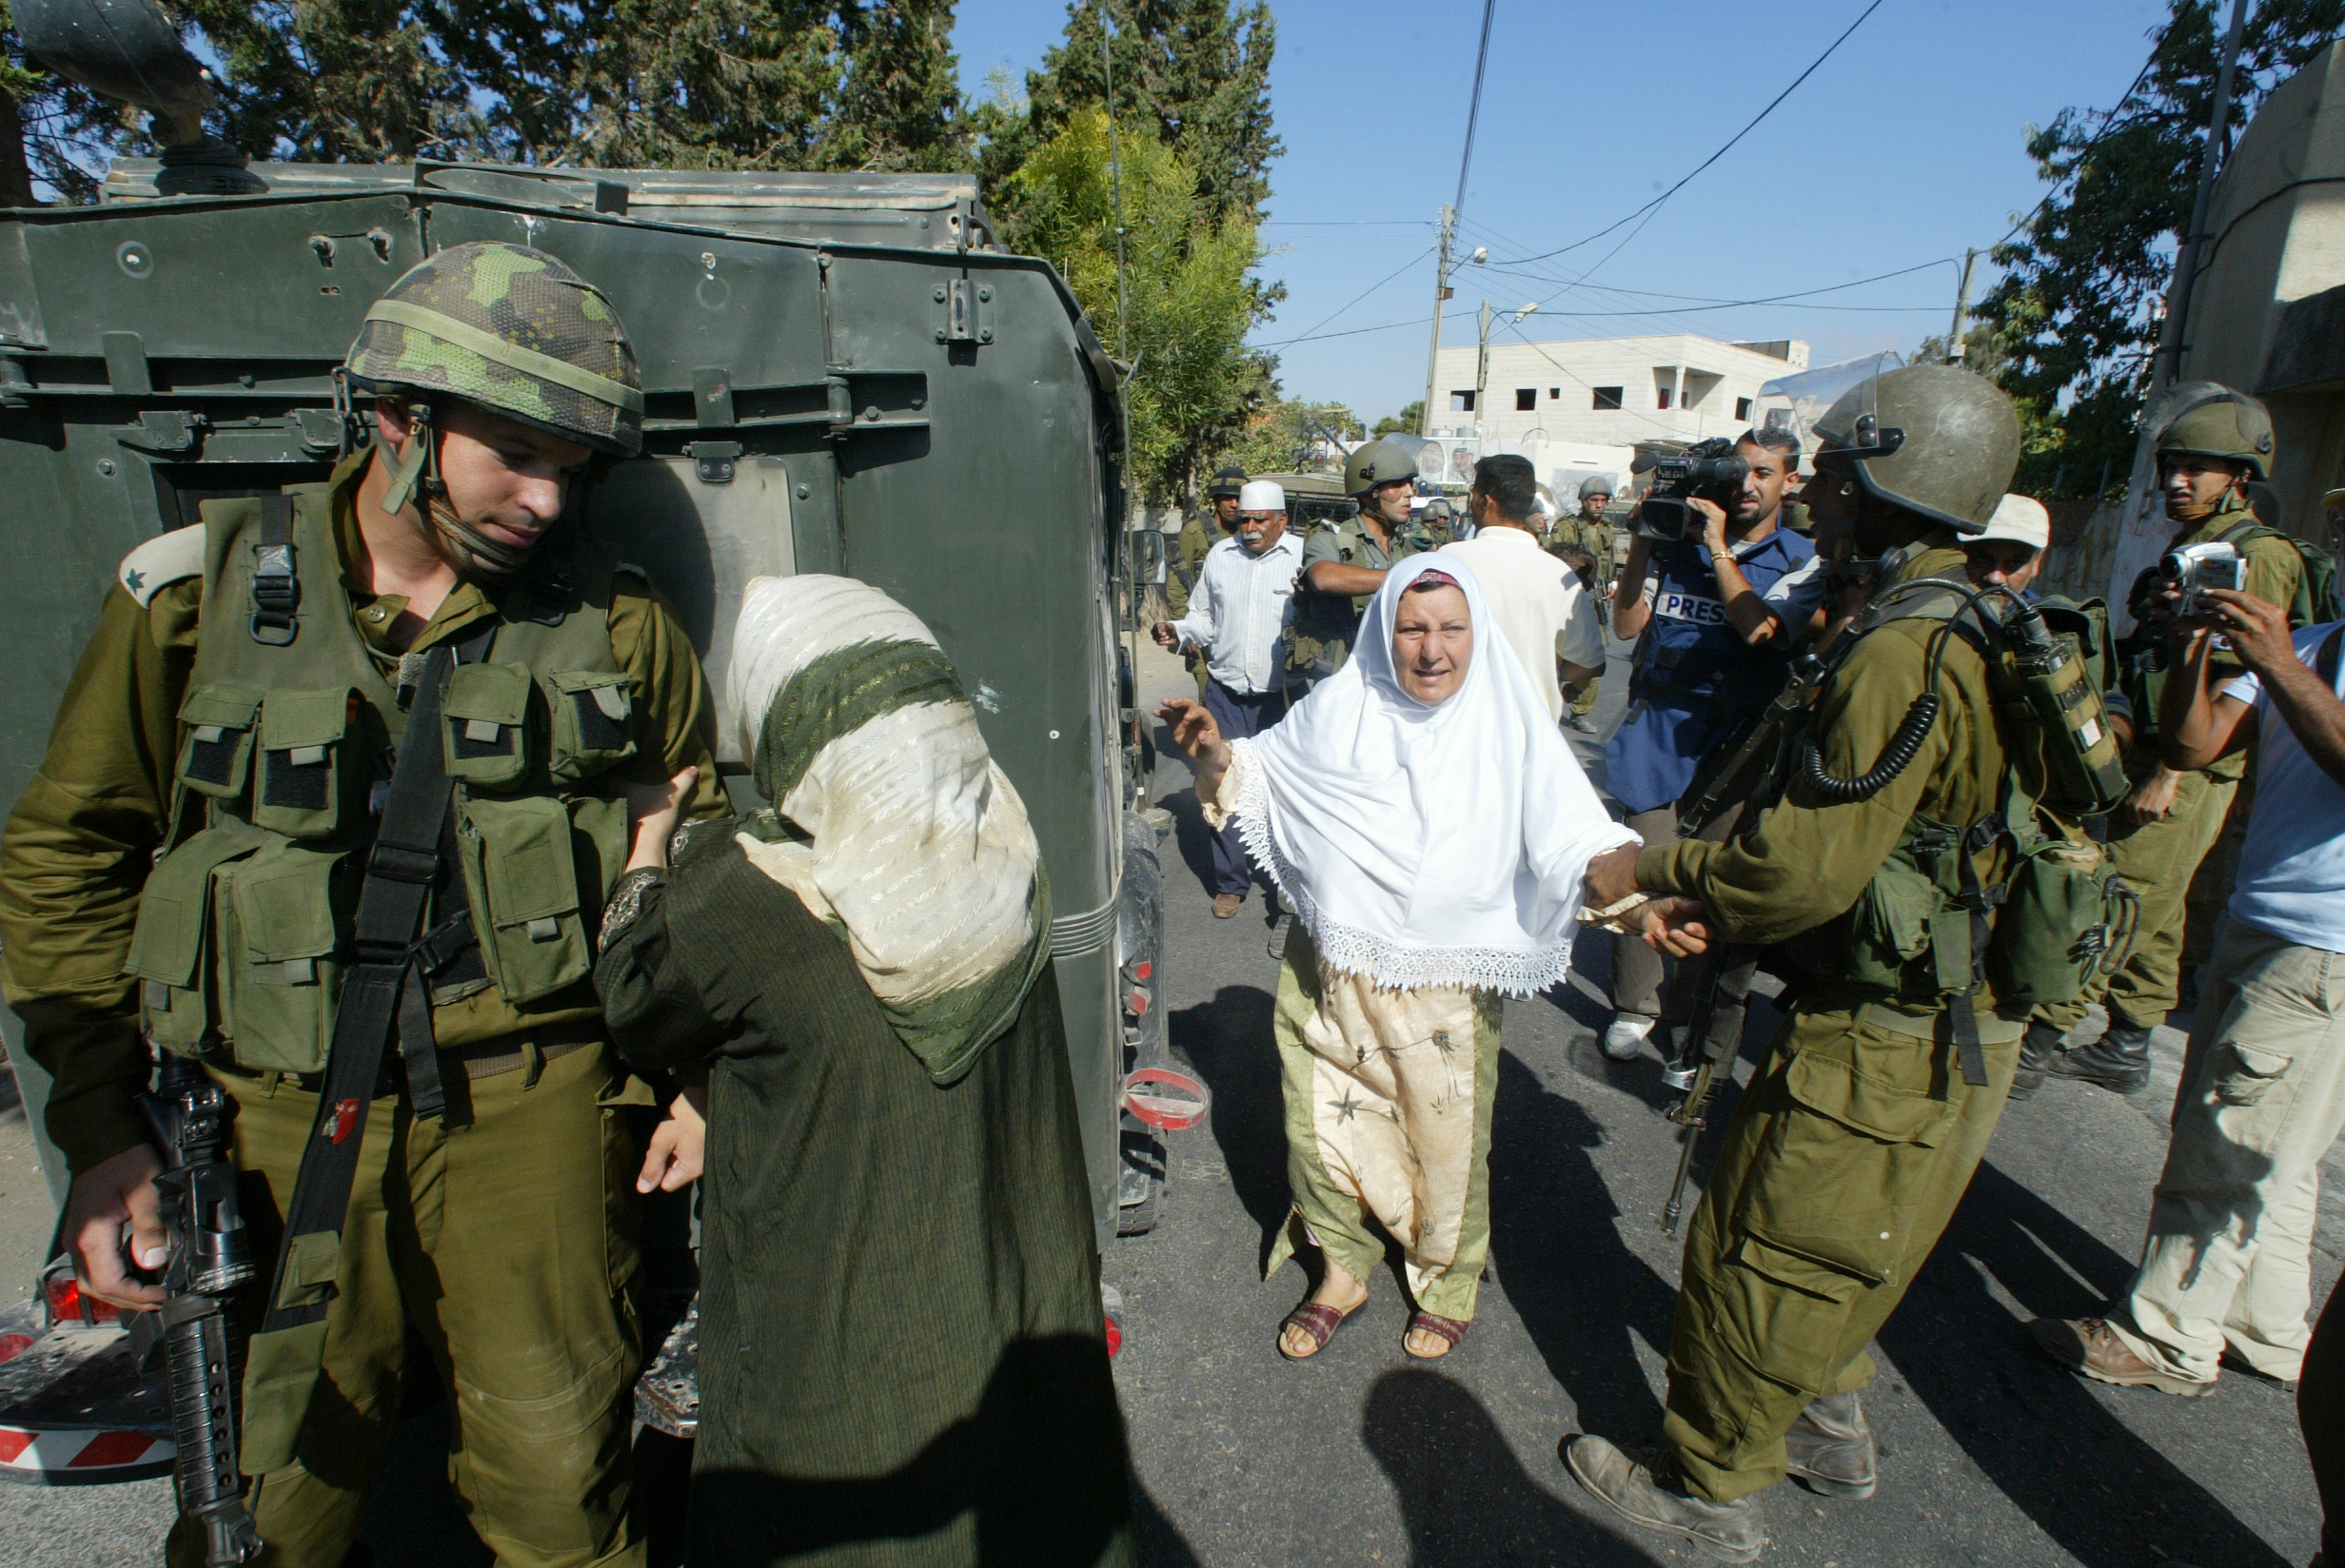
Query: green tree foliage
{"points": [[1406, 423], [2074, 319], [1187, 302], [705, 83], [1290, 436]]}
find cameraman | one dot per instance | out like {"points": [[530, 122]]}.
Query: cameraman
{"points": [[2225, 1272], [1713, 618]]}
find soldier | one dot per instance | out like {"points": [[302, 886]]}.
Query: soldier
{"points": [[1189, 554], [1584, 542], [2208, 454], [190, 857], [1345, 563], [1846, 1155]]}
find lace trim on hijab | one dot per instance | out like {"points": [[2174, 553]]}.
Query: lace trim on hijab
{"points": [[1244, 797]]}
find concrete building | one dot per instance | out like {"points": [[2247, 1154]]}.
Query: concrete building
{"points": [[1607, 392]]}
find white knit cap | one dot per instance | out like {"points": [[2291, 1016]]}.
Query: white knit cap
{"points": [[1261, 496], [2019, 519]]}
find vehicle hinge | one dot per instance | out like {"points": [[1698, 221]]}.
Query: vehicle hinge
{"points": [[163, 430], [14, 386], [322, 428], [713, 461], [126, 364], [963, 317], [712, 397]]}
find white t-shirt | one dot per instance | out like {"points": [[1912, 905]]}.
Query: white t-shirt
{"points": [[1542, 610], [2291, 864]]}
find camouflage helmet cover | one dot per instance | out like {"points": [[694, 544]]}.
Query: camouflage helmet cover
{"points": [[2212, 420], [1226, 482], [514, 331], [1380, 463], [1932, 440]]}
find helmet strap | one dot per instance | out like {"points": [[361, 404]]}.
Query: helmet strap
{"points": [[419, 465]]}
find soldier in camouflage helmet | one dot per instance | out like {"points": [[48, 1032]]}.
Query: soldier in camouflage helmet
{"points": [[1344, 563], [246, 678]]}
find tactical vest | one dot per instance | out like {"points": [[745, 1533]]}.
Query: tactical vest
{"points": [[1323, 627], [284, 743]]}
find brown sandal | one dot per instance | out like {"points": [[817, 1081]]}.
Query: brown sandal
{"points": [[1448, 1329], [1317, 1319]]}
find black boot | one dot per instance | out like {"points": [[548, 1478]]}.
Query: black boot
{"points": [[2119, 1061], [2036, 1054], [1830, 1447]]}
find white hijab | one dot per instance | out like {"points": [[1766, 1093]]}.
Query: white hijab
{"points": [[1426, 845]]}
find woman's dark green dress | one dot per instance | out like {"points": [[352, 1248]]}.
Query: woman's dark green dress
{"points": [[902, 1358]]}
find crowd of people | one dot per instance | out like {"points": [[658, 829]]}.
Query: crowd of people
{"points": [[472, 783], [1820, 768]]}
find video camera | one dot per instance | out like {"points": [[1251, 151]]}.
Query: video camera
{"points": [[2195, 568], [1708, 469]]}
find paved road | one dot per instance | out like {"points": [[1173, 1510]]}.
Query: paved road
{"points": [[1989, 1455]]}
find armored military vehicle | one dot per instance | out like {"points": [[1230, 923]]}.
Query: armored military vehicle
{"points": [[842, 374]]}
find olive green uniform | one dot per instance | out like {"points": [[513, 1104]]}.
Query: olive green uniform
{"points": [[2158, 859], [1180, 579], [1575, 536], [1846, 1156], [1319, 637], [510, 1242]]}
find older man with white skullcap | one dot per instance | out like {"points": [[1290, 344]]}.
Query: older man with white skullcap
{"points": [[1243, 596]]}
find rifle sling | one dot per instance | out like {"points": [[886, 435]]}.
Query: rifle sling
{"points": [[386, 985]]}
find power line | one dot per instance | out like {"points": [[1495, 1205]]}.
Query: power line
{"points": [[1356, 331], [1655, 203], [1356, 297], [1474, 112]]}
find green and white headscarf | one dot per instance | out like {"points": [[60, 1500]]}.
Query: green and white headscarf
{"points": [[892, 823]]}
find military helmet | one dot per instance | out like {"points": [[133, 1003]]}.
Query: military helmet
{"points": [[1226, 483], [1380, 463], [2212, 420], [1935, 441], [512, 330], [1596, 484]]}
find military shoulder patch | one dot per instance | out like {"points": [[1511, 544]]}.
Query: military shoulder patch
{"points": [[168, 557]]}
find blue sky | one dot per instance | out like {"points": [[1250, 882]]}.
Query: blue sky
{"points": [[1905, 148]]}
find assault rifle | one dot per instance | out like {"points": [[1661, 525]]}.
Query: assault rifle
{"points": [[1692, 1112], [202, 1348]]}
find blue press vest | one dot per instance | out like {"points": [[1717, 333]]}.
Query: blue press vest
{"points": [[1695, 679]]}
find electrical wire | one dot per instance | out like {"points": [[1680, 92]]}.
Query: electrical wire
{"points": [[1356, 298], [1474, 112]]}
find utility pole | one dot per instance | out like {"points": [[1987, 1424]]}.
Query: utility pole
{"points": [[1956, 348], [1481, 372], [2172, 338], [1441, 295]]}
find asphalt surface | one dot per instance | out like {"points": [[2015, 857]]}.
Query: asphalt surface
{"points": [[1989, 1455]]}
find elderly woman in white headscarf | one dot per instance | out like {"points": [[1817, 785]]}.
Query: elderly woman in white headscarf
{"points": [[1423, 817]]}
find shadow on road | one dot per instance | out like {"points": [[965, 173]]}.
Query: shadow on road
{"points": [[2107, 1494], [1227, 1041], [1464, 1496], [1583, 1305]]}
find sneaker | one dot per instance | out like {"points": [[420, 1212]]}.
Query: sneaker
{"points": [[2091, 1346], [1625, 1037], [1279, 925], [1832, 1450], [2037, 1051], [2119, 1061], [1731, 1532]]}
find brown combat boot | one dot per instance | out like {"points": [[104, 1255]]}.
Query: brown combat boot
{"points": [[2091, 1346], [1831, 1448], [1731, 1532]]}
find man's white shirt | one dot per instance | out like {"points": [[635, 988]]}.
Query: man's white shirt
{"points": [[1239, 609], [1541, 607]]}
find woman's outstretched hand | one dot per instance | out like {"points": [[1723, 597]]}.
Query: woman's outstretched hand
{"points": [[1196, 733], [652, 810], [673, 1157]]}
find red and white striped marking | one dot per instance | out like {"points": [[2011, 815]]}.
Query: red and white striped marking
{"points": [[89, 1454]]}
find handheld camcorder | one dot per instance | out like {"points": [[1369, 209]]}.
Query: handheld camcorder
{"points": [[2192, 569], [1708, 469]]}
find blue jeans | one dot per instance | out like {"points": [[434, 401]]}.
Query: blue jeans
{"points": [[1240, 717]]}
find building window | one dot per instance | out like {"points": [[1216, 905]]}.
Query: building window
{"points": [[1525, 400], [1553, 393], [1462, 402], [1742, 409], [1662, 396], [1606, 396]]}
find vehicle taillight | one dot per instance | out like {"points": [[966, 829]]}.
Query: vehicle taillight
{"points": [[67, 1304]]}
